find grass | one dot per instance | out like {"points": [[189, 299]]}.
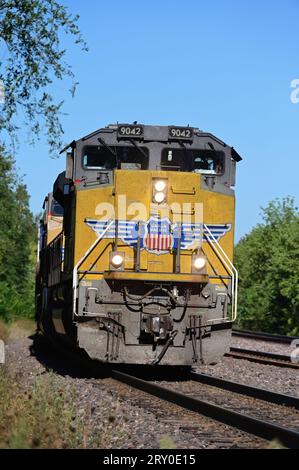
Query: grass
{"points": [[46, 415], [166, 442], [275, 444], [3, 331], [42, 416], [16, 329], [20, 328]]}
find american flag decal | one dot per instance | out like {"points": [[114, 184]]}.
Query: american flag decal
{"points": [[158, 242]]}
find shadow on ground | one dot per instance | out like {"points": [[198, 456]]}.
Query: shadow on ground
{"points": [[78, 365]]}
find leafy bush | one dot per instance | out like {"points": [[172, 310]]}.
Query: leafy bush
{"points": [[268, 263]]}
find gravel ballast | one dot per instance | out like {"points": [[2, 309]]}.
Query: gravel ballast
{"points": [[123, 416], [259, 345]]}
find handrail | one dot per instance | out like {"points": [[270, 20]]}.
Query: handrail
{"points": [[38, 245], [86, 254], [229, 265]]}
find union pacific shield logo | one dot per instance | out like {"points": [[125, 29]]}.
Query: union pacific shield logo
{"points": [[158, 237]]}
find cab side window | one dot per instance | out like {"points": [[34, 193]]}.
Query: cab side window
{"points": [[97, 157], [176, 160], [208, 162], [56, 208]]}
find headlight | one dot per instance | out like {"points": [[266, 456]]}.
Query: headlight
{"points": [[159, 190], [160, 185], [117, 259], [159, 197], [199, 262]]}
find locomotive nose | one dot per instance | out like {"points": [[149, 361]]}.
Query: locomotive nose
{"points": [[132, 272]]}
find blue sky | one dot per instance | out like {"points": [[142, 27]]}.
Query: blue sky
{"points": [[223, 66]]}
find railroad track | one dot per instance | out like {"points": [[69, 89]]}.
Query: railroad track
{"points": [[244, 422], [247, 390], [262, 336], [262, 357], [222, 413]]}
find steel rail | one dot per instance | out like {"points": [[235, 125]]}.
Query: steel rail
{"points": [[263, 429], [248, 390], [261, 335], [254, 426], [269, 355], [263, 357]]}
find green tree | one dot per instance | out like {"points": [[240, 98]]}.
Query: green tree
{"points": [[30, 37], [31, 61], [17, 239], [268, 263]]}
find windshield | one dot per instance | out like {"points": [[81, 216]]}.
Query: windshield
{"points": [[100, 157], [197, 161]]}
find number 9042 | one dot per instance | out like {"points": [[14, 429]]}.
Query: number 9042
{"points": [[130, 131], [181, 133]]}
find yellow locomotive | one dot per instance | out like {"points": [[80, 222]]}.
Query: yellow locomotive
{"points": [[141, 270]]}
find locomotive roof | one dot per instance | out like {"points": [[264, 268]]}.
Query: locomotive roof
{"points": [[153, 133]]}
